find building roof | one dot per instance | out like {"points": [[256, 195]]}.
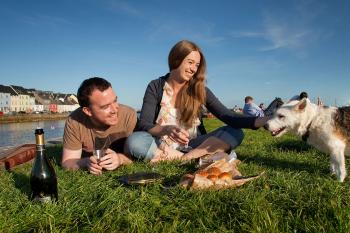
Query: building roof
{"points": [[41, 97], [20, 90], [7, 89]]}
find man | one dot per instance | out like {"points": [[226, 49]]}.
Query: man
{"points": [[251, 109], [99, 116]]}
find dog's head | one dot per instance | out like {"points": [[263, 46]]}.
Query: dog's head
{"points": [[292, 116]]}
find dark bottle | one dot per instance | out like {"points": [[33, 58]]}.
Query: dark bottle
{"points": [[43, 180]]}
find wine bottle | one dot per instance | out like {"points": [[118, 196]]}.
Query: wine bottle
{"points": [[43, 180]]}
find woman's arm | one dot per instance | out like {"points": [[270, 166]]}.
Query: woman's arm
{"points": [[150, 107], [232, 119]]}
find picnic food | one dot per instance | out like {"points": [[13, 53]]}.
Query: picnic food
{"points": [[203, 173], [219, 174], [225, 176], [214, 171], [212, 177]]}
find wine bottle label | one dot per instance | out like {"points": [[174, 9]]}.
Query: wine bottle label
{"points": [[40, 148]]}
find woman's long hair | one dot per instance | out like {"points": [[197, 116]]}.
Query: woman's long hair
{"points": [[192, 95]]}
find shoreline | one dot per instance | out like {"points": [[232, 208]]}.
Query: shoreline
{"points": [[19, 118], [50, 142]]}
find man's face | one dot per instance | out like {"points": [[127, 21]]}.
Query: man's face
{"points": [[103, 108]]}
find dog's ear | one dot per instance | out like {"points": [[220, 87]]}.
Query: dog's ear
{"points": [[301, 105]]}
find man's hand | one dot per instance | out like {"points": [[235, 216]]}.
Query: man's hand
{"points": [[112, 160], [93, 166]]}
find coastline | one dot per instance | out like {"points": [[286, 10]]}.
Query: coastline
{"points": [[50, 142], [32, 117]]}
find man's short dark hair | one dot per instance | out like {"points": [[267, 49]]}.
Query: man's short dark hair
{"points": [[247, 99], [303, 95], [88, 86]]}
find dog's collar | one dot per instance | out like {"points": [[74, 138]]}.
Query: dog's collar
{"points": [[306, 135]]}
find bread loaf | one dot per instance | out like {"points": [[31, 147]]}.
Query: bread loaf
{"points": [[225, 176], [214, 171]]}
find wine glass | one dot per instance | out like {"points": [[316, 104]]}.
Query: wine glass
{"points": [[185, 148], [100, 147]]}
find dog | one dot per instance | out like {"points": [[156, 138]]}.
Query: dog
{"points": [[326, 128]]}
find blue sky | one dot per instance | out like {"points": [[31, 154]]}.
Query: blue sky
{"points": [[259, 48]]}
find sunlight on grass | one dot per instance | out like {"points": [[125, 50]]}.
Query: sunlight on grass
{"points": [[297, 194]]}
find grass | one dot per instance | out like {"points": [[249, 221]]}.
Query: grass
{"points": [[297, 194]]}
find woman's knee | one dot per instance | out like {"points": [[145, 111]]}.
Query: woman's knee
{"points": [[138, 144], [233, 136]]}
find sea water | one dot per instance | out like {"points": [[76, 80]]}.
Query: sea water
{"points": [[14, 134]]}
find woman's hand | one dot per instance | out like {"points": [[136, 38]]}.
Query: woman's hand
{"points": [[261, 121], [176, 134]]}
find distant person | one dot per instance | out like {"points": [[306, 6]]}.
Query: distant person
{"points": [[302, 95], [99, 116], [262, 106], [170, 116], [319, 102], [251, 109]]}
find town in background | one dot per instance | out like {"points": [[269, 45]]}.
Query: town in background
{"points": [[19, 100]]}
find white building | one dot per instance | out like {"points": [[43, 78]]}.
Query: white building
{"points": [[5, 98], [66, 103], [23, 102]]}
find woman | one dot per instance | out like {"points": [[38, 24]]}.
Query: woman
{"points": [[170, 115]]}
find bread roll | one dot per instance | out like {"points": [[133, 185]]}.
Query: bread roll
{"points": [[225, 176], [212, 177], [203, 173], [214, 171]]}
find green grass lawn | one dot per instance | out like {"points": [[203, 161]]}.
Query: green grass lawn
{"points": [[297, 194]]}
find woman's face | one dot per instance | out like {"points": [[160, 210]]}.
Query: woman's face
{"points": [[189, 66]]}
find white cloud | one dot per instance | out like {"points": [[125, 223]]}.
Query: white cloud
{"points": [[293, 29], [124, 7], [201, 33], [247, 34]]}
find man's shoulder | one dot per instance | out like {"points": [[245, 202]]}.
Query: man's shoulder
{"points": [[127, 110], [76, 113], [78, 117], [246, 106], [127, 113]]}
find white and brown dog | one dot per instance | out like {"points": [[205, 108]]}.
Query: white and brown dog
{"points": [[326, 128]]}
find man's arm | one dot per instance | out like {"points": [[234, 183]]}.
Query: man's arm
{"points": [[71, 159]]}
